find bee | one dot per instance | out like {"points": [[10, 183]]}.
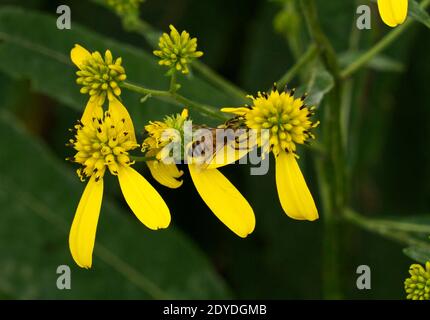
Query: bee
{"points": [[215, 147]]}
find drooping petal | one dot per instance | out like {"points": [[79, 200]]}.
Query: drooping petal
{"points": [[225, 201], [145, 202], [83, 231], [117, 109], [393, 12], [92, 109], [294, 195], [165, 174], [79, 54]]}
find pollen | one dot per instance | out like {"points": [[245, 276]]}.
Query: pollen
{"points": [[100, 77], [177, 50], [102, 143], [417, 287], [287, 118]]}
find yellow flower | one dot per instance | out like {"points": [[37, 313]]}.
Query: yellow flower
{"points": [[417, 287], [104, 143], [177, 51], [219, 194], [287, 120], [99, 76], [393, 12]]}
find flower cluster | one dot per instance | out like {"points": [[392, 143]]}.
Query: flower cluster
{"points": [[177, 50], [225, 201], [104, 141], [99, 76], [288, 121], [417, 287]]}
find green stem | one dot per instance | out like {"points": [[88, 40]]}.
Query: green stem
{"points": [[173, 87], [176, 98], [346, 108], [308, 56], [379, 47], [385, 224], [387, 229], [330, 167]]}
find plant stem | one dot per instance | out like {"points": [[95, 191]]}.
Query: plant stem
{"points": [[308, 56], [393, 230], [330, 168], [173, 88], [380, 46], [176, 98], [349, 129]]}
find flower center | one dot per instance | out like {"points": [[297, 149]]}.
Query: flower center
{"points": [[162, 133], [286, 118], [100, 77], [418, 285], [177, 50], [102, 143]]}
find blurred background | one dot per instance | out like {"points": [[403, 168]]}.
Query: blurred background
{"points": [[251, 44]]}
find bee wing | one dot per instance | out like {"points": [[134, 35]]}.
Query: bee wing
{"points": [[229, 152]]}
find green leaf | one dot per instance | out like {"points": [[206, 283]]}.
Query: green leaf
{"points": [[42, 56], [418, 13], [38, 200], [320, 84], [379, 62], [419, 254]]}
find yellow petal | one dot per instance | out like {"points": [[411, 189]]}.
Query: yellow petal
{"points": [[225, 201], [184, 113], [240, 111], [143, 199], [165, 174], [400, 10], [79, 54], [393, 12], [83, 231], [118, 111], [226, 155], [92, 109], [294, 195]]}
